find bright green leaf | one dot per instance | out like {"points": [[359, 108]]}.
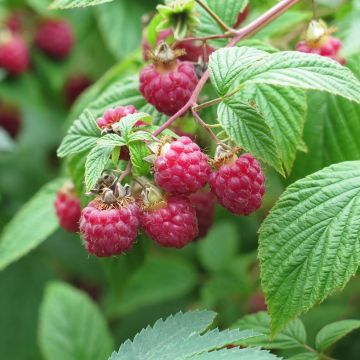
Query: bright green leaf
{"points": [[138, 151], [67, 4]]}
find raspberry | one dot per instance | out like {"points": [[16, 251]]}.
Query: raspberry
{"points": [[239, 185], [204, 204], [14, 22], [10, 120], [14, 55], [109, 230], [194, 51], [74, 86], [112, 116], [257, 303], [172, 223], [68, 210], [181, 167], [168, 83], [55, 38], [242, 16]]}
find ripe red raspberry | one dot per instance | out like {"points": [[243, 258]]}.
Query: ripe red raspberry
{"points": [[55, 38], [109, 230], [204, 204], [10, 119], [68, 210], [242, 16], [257, 303], [194, 51], [171, 223], [14, 55], [168, 83], [239, 185], [181, 167], [111, 116], [74, 86]]}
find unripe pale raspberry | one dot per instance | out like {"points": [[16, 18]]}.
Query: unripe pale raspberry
{"points": [[68, 210], [171, 223], [109, 231], [74, 86], [204, 204], [55, 38], [111, 116], [14, 55], [168, 83], [10, 119], [181, 167], [240, 185]]}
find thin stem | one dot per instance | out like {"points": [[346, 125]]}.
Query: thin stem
{"points": [[322, 356], [314, 10], [204, 125], [126, 172], [207, 104], [213, 15], [209, 37]]}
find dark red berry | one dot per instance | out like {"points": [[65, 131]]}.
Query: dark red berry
{"points": [[109, 231], [14, 22], [14, 55], [168, 88], [74, 86], [242, 16], [68, 210], [111, 116], [240, 185], [194, 51], [181, 167], [10, 119], [204, 204], [172, 223], [55, 38], [257, 303]]}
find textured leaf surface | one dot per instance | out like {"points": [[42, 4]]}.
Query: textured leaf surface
{"points": [[331, 333], [71, 326], [248, 129], [81, 136], [31, 225], [292, 336], [138, 151], [309, 244], [236, 354], [178, 337], [67, 4]]}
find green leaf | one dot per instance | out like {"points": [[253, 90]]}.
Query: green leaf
{"points": [[33, 224], [71, 326], [215, 255], [95, 164], [109, 140], [76, 169], [309, 243], [67, 4], [305, 356], [284, 111], [157, 280], [235, 354], [138, 151], [248, 129], [287, 68], [125, 126], [331, 134], [332, 333], [292, 336], [81, 136], [178, 337]]}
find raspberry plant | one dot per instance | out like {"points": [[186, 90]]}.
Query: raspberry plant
{"points": [[219, 120]]}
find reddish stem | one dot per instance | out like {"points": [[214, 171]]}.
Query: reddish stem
{"points": [[250, 29]]}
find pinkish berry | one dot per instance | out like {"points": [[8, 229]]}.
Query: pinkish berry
{"points": [[111, 116], [257, 303], [109, 231], [14, 22], [74, 86], [239, 186], [68, 210], [204, 204], [172, 225], [168, 88], [194, 51], [55, 38], [10, 120], [14, 55], [181, 167]]}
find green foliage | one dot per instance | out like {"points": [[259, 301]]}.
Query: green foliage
{"points": [[309, 243], [32, 225], [66, 4], [71, 326]]}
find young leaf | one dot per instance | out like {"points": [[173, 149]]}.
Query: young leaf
{"points": [[309, 244], [248, 129], [71, 326], [67, 4], [178, 337], [332, 333], [125, 126], [138, 151], [95, 164], [81, 136], [292, 336], [111, 140], [33, 224]]}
